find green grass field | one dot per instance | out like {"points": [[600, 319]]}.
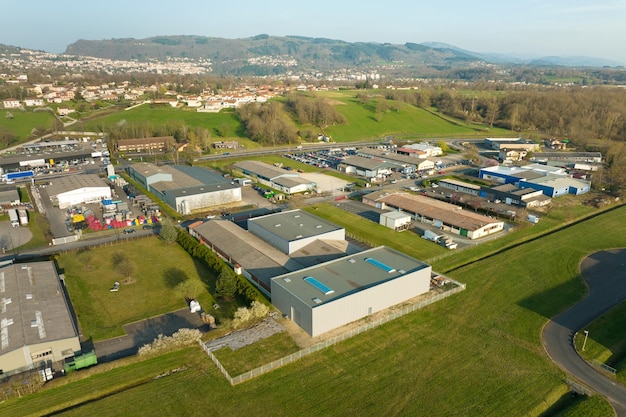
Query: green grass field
{"points": [[158, 267], [408, 122], [222, 124], [477, 353], [23, 123], [363, 122]]}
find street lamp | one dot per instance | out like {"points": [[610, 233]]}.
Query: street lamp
{"points": [[585, 341]]}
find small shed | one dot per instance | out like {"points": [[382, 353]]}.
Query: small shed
{"points": [[396, 220]]}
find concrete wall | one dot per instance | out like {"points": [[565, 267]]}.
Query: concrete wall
{"points": [[21, 357], [197, 202]]}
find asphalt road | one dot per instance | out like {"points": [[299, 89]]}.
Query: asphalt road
{"points": [[605, 275]]}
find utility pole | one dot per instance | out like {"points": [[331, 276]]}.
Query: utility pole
{"points": [[585, 341]]}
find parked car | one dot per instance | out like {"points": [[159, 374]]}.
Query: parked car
{"points": [[129, 231]]}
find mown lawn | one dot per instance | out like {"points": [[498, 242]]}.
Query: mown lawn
{"points": [[477, 353], [158, 268]]}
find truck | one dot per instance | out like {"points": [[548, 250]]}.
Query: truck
{"points": [[12, 176], [442, 240], [430, 235], [81, 361], [15, 220], [23, 215]]}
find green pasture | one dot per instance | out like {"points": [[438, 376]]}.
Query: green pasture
{"points": [[158, 268], [222, 124], [23, 123], [476, 353]]}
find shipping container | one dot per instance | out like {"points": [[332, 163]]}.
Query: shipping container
{"points": [[23, 215]]}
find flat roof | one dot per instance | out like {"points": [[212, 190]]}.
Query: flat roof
{"points": [[10, 195], [185, 180], [294, 225], [338, 278], [74, 182], [560, 182], [33, 309], [396, 215]]}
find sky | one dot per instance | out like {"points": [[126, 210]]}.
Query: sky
{"points": [[523, 28]]}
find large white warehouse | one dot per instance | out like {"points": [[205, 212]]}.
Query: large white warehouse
{"points": [[328, 295], [78, 189]]}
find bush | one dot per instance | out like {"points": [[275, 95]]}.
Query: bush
{"points": [[180, 339]]}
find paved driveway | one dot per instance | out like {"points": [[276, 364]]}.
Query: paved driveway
{"points": [[13, 237], [605, 274], [145, 331]]}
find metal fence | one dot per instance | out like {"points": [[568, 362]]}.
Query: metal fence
{"points": [[246, 376]]}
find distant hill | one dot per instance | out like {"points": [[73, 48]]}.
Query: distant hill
{"points": [[266, 55], [565, 61]]}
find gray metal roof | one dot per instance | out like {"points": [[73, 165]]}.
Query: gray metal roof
{"points": [[9, 196], [365, 163], [74, 182], [253, 254], [262, 169], [294, 225], [32, 306], [348, 275]]}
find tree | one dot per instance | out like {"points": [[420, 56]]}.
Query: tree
{"points": [[168, 231], [226, 285], [123, 266]]}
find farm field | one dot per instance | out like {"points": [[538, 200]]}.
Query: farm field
{"points": [[157, 269], [482, 343]]}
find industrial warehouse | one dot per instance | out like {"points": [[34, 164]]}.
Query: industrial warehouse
{"points": [[334, 282], [445, 216], [72, 190], [186, 189], [36, 326], [288, 182]]}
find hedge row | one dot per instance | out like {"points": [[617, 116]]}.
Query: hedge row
{"points": [[215, 264]]}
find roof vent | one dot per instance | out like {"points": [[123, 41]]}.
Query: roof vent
{"points": [[317, 300], [277, 225], [319, 226], [351, 260]]}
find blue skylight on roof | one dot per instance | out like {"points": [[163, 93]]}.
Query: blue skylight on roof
{"points": [[318, 285], [380, 265]]}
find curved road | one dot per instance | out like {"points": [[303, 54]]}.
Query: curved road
{"points": [[605, 274]]}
